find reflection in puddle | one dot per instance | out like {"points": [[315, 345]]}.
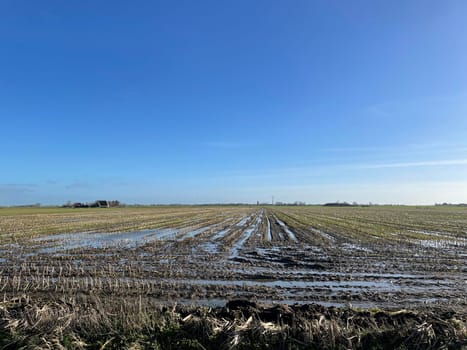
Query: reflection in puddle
{"points": [[248, 232], [197, 232], [336, 286], [350, 247], [287, 230], [133, 239]]}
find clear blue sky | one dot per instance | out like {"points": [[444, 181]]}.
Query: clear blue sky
{"points": [[233, 101]]}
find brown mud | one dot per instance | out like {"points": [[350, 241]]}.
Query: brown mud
{"points": [[258, 256]]}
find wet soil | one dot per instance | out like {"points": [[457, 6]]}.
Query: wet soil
{"points": [[258, 256]]}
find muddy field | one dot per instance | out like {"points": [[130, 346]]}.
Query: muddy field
{"points": [[390, 257]]}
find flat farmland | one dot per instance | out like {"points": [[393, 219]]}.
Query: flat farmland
{"points": [[365, 257]]}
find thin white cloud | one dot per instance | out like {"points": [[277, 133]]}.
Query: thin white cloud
{"points": [[393, 108], [402, 149], [12, 188], [78, 185], [224, 145], [379, 111], [320, 170], [431, 163], [356, 149]]}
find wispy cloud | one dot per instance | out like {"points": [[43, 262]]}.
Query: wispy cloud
{"points": [[379, 111], [17, 193], [318, 172], [356, 149], [52, 182], [224, 145], [431, 163], [397, 109], [402, 148], [78, 185], [16, 188]]}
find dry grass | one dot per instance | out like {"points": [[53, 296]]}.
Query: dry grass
{"points": [[86, 322]]}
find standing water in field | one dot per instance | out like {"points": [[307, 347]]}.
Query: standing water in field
{"points": [[242, 255], [68, 241], [248, 232], [287, 230], [269, 230]]}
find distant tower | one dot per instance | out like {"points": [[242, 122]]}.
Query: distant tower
{"points": [[272, 200]]}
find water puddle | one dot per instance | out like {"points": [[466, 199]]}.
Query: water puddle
{"points": [[351, 247], [287, 230], [68, 241], [243, 221], [210, 247], [460, 242], [221, 234], [247, 234], [322, 234], [268, 251], [258, 270], [293, 284], [197, 232], [434, 233], [269, 231]]}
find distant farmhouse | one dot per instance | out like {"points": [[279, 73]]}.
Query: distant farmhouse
{"points": [[97, 204], [338, 204], [102, 204]]}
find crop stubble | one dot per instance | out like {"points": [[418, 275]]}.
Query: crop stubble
{"points": [[366, 257]]}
